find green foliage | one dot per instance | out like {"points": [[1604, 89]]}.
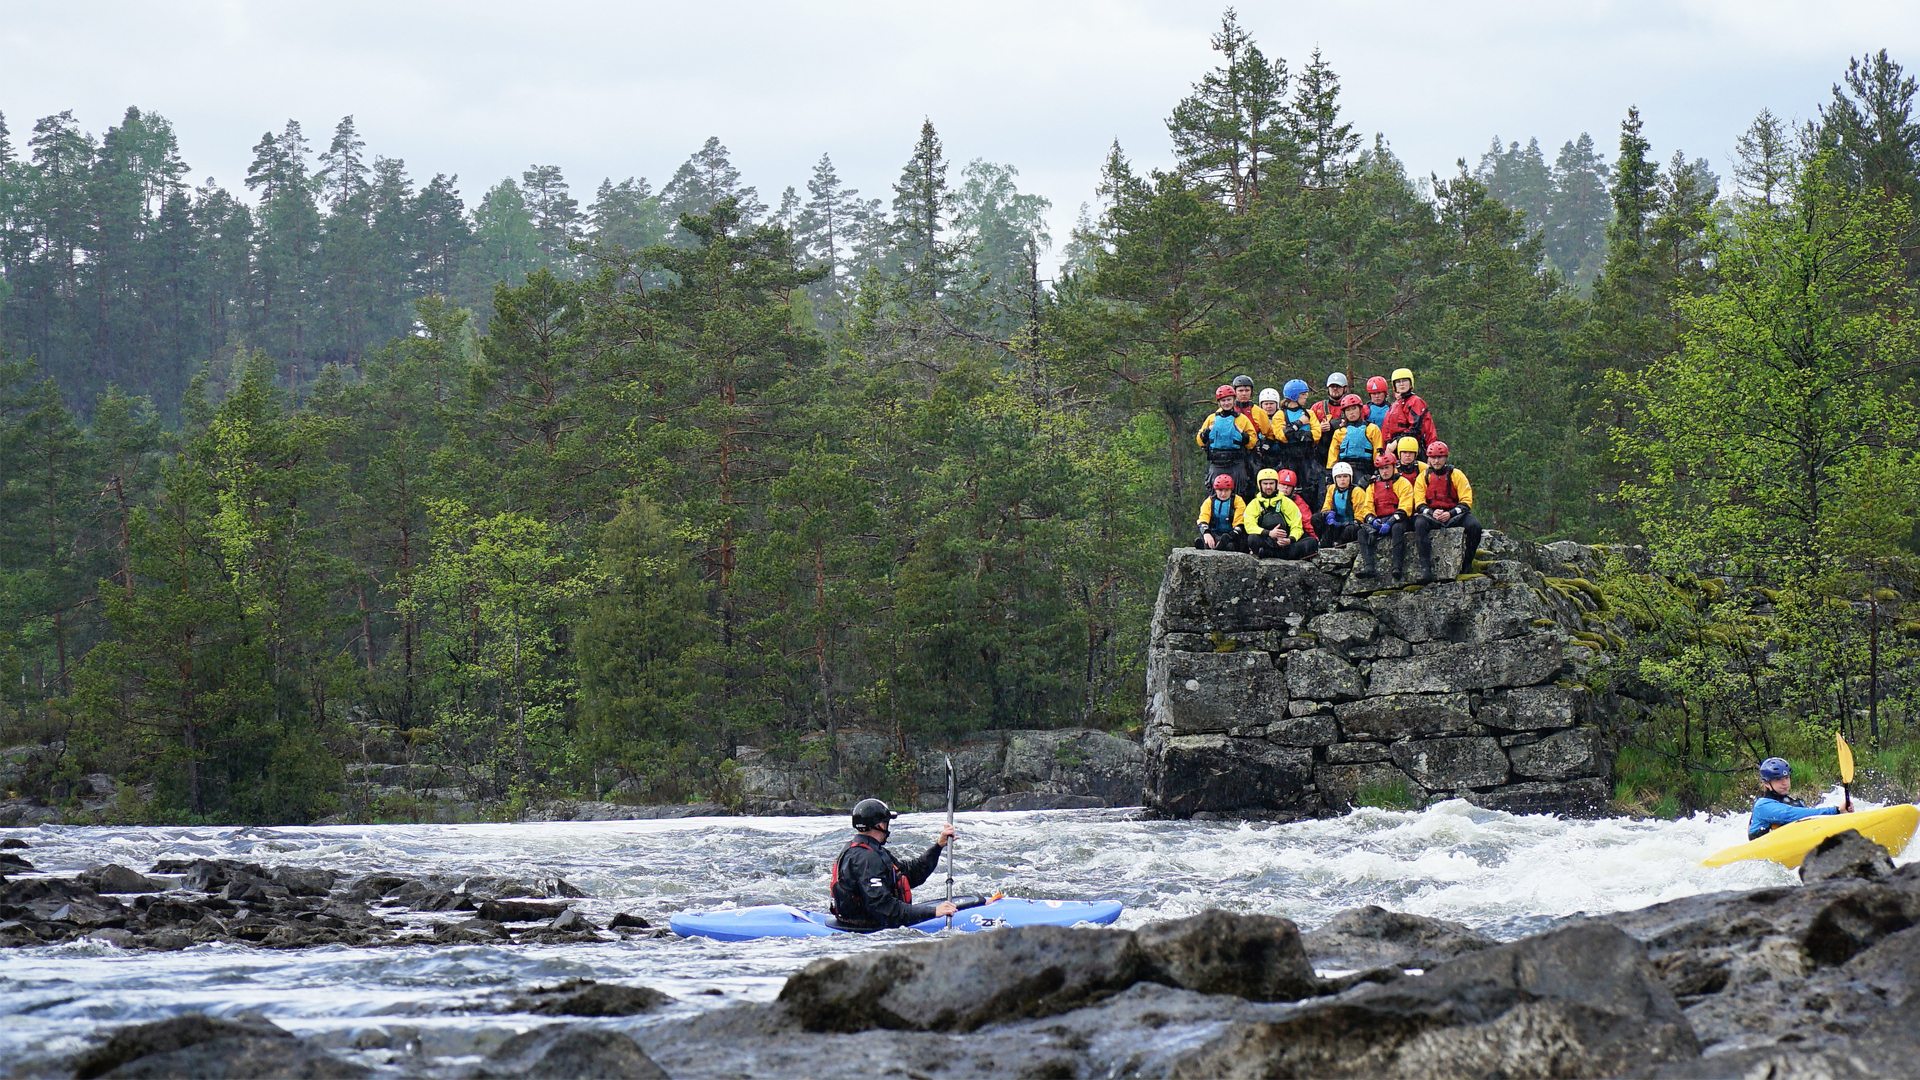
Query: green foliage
{"points": [[1389, 796]]}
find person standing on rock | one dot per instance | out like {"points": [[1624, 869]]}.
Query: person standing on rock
{"points": [[1275, 527], [1443, 499], [1222, 516], [1299, 428], [1776, 806], [1377, 405], [1356, 441], [1227, 437], [1408, 415], [1389, 505], [873, 890], [1244, 404], [1271, 447]]}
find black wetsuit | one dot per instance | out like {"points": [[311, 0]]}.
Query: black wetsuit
{"points": [[872, 889]]}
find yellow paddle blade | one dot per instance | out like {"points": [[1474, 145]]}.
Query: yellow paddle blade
{"points": [[1846, 758]]}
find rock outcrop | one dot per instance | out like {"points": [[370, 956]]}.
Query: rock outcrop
{"points": [[1299, 689]]}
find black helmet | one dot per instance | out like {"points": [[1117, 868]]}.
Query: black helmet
{"points": [[1242, 380], [871, 812]]}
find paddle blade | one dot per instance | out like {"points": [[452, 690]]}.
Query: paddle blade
{"points": [[1846, 758]]}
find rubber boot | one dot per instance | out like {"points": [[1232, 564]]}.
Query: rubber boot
{"points": [[1367, 565], [1426, 570]]}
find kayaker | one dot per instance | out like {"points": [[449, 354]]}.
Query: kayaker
{"points": [[1774, 807], [873, 890]]}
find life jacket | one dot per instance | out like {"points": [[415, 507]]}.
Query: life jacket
{"points": [[1225, 434], [833, 887], [1791, 800], [1386, 501], [1342, 502], [1220, 515], [1299, 417], [1354, 443], [1377, 414], [1440, 496]]}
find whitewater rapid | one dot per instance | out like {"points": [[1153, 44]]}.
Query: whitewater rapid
{"points": [[1504, 874]]}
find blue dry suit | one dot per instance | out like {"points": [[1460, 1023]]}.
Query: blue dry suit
{"points": [[1771, 811]]}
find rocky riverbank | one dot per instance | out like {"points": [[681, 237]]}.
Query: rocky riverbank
{"points": [[1816, 979]]}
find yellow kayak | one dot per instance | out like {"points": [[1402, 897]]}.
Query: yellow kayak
{"points": [[1891, 828]]}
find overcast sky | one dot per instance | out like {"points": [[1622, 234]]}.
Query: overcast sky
{"points": [[484, 89]]}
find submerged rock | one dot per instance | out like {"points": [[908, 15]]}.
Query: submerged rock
{"points": [[567, 1052], [196, 1046], [585, 997]]}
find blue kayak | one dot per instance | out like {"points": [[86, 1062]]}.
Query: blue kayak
{"points": [[785, 920]]}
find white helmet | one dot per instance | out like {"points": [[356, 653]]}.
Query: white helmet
{"points": [[1269, 394], [1341, 468], [1338, 378]]}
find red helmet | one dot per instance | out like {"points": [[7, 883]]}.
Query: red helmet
{"points": [[1436, 448], [1222, 391], [1352, 401], [1386, 461], [1377, 385], [1287, 477], [1223, 482]]}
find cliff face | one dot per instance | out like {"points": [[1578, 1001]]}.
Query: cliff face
{"points": [[1286, 689]]}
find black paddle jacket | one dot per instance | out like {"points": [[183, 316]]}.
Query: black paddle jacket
{"points": [[872, 888]]}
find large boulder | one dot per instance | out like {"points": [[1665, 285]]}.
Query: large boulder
{"points": [[964, 982], [1390, 717], [1193, 774], [1586, 798], [202, 1046], [1320, 675], [1452, 764], [1371, 936], [1537, 708], [1576, 1002], [1207, 592], [1477, 610], [1445, 670], [1846, 855], [1216, 692], [1563, 755], [114, 878], [1256, 957], [568, 1051]]}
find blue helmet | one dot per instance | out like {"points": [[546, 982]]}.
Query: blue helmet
{"points": [[1294, 389], [1774, 768]]}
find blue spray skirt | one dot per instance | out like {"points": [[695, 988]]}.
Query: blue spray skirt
{"points": [[785, 920]]}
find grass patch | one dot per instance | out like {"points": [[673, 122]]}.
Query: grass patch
{"points": [[1392, 796]]}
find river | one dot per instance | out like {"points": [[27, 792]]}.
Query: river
{"points": [[1503, 874]]}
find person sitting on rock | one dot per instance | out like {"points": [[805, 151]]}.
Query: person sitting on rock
{"points": [[1389, 505], [1276, 529], [1290, 485], [1356, 441], [873, 890], [1227, 436], [1442, 499], [1408, 415], [1221, 516], [1346, 508], [1775, 806]]}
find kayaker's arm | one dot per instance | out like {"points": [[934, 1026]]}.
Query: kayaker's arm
{"points": [[1772, 813], [920, 869]]}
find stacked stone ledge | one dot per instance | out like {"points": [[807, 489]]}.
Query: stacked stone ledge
{"points": [[1283, 689]]}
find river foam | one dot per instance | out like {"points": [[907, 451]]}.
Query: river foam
{"points": [[1505, 874]]}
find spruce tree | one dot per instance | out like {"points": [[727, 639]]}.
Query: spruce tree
{"points": [[921, 206]]}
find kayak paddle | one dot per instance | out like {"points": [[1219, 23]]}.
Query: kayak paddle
{"points": [[949, 762], [1846, 766]]}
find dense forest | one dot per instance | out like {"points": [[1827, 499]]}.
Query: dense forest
{"points": [[577, 500]]}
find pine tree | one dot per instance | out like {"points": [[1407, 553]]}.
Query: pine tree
{"points": [[921, 206], [1326, 144], [1870, 123], [1235, 131], [1578, 213], [557, 221], [626, 215], [701, 182], [343, 171]]}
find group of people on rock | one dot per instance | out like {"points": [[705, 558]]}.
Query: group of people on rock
{"points": [[1375, 468]]}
